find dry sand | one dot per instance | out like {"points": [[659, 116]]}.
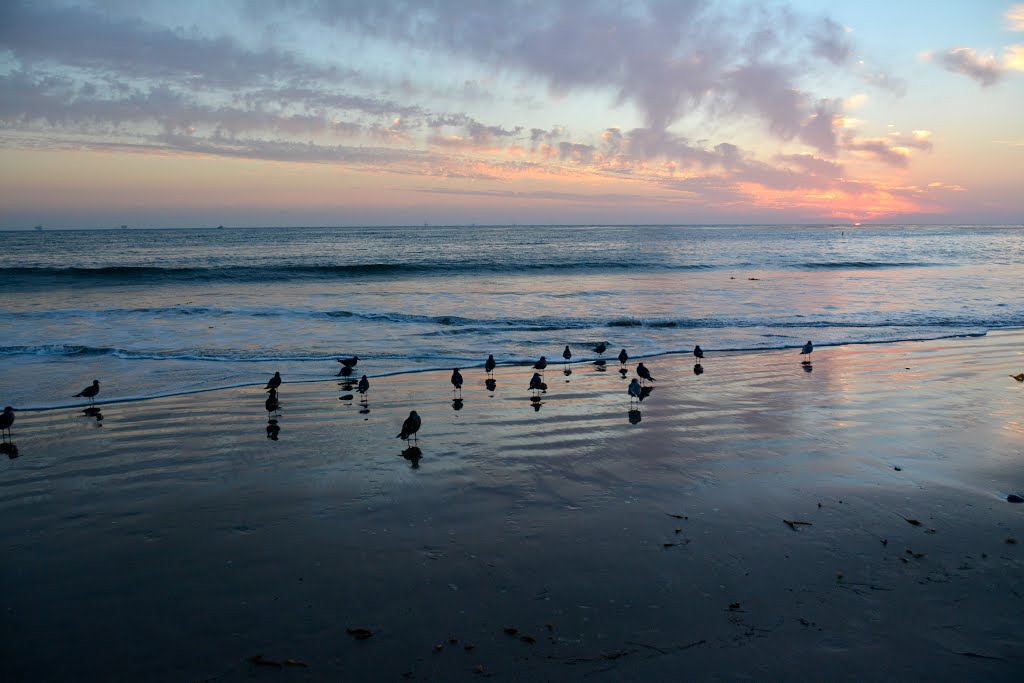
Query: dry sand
{"points": [[172, 540]]}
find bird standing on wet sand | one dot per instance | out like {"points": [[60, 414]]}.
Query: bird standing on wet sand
{"points": [[567, 354], [274, 382], [601, 348], [410, 426], [363, 386], [90, 391], [457, 381], [623, 356], [272, 404], [806, 351], [536, 383], [349, 362], [6, 420], [541, 364], [644, 373], [698, 353], [489, 365], [635, 391]]}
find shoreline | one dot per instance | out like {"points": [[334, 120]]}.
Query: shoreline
{"points": [[756, 523]]}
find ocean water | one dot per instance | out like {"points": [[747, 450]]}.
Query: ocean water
{"points": [[154, 313]]}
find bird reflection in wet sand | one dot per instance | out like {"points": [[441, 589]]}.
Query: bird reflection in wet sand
{"points": [[94, 412], [410, 427], [698, 369], [457, 404], [634, 416], [601, 365], [456, 384], [90, 391], [273, 429], [491, 384], [344, 372], [6, 420], [806, 365], [9, 449], [413, 454]]}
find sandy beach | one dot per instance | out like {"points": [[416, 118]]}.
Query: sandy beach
{"points": [[761, 521]]}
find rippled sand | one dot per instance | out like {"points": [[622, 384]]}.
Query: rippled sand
{"points": [[172, 540]]}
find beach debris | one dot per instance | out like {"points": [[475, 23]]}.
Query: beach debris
{"points": [[296, 662], [669, 545], [929, 531], [733, 606], [755, 279], [438, 647], [511, 630], [975, 655], [670, 514], [346, 397], [550, 627], [479, 668], [885, 541], [916, 556], [897, 468], [359, 633], [528, 639], [1014, 498], [258, 660], [469, 647], [678, 530], [911, 522], [1019, 378], [839, 576], [1011, 541], [819, 504], [793, 523]]}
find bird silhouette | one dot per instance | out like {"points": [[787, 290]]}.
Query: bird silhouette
{"points": [[489, 365], [634, 389], [349, 362], [363, 386], [644, 373], [272, 404], [567, 354], [90, 391], [1019, 378], [698, 353], [623, 356], [601, 348], [6, 420], [541, 364], [274, 382], [536, 382], [410, 426], [806, 351], [457, 381]]}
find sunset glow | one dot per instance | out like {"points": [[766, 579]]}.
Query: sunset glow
{"points": [[258, 113]]}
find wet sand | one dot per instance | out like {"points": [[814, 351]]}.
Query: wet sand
{"points": [[172, 540]]}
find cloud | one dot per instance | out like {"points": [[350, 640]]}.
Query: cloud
{"points": [[984, 68], [1015, 17]]}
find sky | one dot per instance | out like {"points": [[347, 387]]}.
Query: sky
{"points": [[322, 113]]}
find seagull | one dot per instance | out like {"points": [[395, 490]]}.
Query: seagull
{"points": [[601, 347], [623, 356], [634, 389], [644, 373], [536, 383], [272, 403], [274, 382], [806, 351], [489, 365], [410, 426], [457, 381], [567, 354], [1019, 378], [541, 364], [698, 353], [6, 420], [349, 362], [364, 385], [90, 391]]}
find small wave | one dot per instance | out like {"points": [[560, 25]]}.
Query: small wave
{"points": [[853, 265]]}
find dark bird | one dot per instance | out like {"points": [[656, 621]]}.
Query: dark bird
{"points": [[634, 388], [698, 353], [90, 391], [567, 354], [489, 365], [806, 351], [457, 381], [623, 356], [274, 382], [541, 364], [410, 426], [272, 404], [644, 373], [363, 386], [601, 347], [6, 420], [344, 372], [1019, 378], [536, 383], [349, 362]]}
